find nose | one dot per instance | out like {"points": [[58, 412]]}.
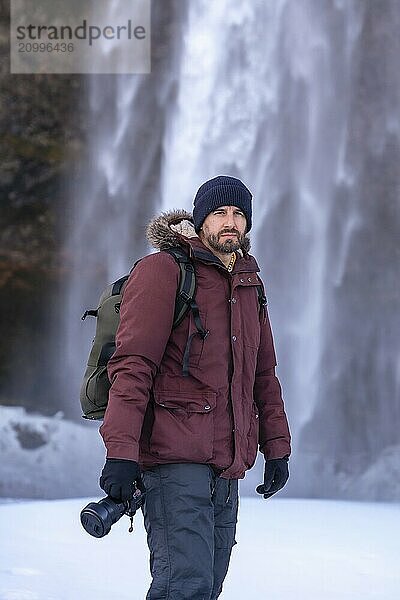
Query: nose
{"points": [[230, 219]]}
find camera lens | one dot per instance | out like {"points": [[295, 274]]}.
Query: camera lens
{"points": [[97, 518]]}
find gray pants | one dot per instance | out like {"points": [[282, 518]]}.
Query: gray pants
{"points": [[190, 517]]}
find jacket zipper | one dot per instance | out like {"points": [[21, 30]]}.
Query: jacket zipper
{"points": [[231, 371]]}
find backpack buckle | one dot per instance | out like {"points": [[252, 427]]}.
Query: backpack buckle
{"points": [[185, 296]]}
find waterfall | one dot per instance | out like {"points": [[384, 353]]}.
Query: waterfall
{"points": [[118, 189], [300, 100]]}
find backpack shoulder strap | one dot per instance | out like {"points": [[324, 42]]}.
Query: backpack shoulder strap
{"points": [[185, 301], [187, 284], [118, 285]]}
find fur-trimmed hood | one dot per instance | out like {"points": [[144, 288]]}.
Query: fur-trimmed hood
{"points": [[175, 228]]}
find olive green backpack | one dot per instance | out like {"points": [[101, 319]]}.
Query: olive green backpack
{"points": [[96, 385]]}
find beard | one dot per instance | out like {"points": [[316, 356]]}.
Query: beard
{"points": [[226, 246]]}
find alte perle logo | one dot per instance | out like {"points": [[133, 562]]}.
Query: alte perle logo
{"points": [[84, 31]]}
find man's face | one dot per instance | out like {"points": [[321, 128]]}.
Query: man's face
{"points": [[224, 229]]}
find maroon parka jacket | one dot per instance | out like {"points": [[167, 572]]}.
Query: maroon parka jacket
{"points": [[231, 401]]}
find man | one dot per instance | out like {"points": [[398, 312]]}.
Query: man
{"points": [[191, 434]]}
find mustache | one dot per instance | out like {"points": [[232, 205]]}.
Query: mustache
{"points": [[229, 231]]}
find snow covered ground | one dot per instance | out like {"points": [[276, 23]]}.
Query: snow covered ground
{"points": [[287, 549]]}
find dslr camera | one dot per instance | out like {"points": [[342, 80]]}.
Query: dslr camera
{"points": [[97, 518]]}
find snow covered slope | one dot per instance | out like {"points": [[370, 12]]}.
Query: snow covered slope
{"points": [[48, 457], [291, 549]]}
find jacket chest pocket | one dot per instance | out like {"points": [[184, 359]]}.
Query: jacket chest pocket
{"points": [[247, 296], [183, 427]]}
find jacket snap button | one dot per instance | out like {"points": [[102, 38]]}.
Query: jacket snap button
{"points": [[249, 279], [233, 300], [234, 338], [242, 281], [207, 407]]}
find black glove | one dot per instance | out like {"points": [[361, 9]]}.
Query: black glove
{"points": [[117, 478], [276, 474]]}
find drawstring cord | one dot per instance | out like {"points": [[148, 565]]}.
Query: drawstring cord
{"points": [[213, 485], [229, 491]]}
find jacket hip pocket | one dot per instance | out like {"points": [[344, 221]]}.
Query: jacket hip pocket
{"points": [[183, 427]]}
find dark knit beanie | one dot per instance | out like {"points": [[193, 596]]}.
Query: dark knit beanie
{"points": [[221, 191]]}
